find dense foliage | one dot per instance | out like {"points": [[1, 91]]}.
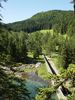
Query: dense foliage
{"points": [[13, 45], [59, 20], [68, 51], [35, 44], [15, 42]]}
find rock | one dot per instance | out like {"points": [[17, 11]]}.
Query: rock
{"points": [[38, 64]]}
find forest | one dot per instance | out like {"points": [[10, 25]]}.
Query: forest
{"points": [[50, 33], [58, 20]]}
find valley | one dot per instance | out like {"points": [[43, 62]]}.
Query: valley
{"points": [[37, 57]]}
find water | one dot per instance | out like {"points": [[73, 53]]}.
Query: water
{"points": [[33, 87]]}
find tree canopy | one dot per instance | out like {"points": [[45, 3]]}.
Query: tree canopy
{"points": [[58, 20]]}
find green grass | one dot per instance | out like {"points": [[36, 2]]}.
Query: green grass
{"points": [[47, 30], [57, 61], [30, 69], [42, 71], [30, 54]]}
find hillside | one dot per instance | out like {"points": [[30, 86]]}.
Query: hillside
{"points": [[22, 63], [56, 19]]}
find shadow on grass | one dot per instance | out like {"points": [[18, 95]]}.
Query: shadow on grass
{"points": [[28, 60], [34, 61]]}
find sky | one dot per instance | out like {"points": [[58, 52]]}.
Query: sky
{"points": [[17, 10]]}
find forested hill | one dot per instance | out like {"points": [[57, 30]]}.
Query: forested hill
{"points": [[56, 19]]}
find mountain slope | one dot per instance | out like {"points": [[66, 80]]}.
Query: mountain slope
{"points": [[44, 20]]}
